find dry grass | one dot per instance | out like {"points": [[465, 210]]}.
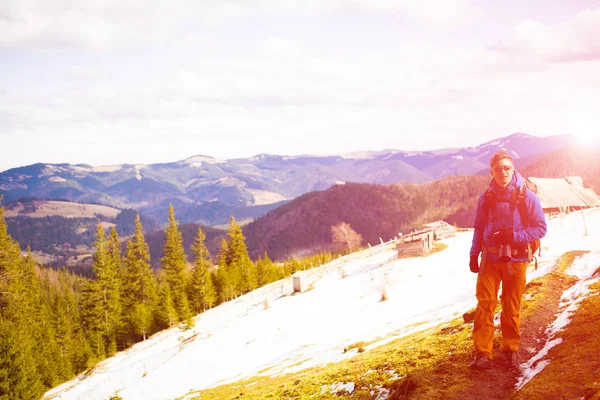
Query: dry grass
{"points": [[63, 209], [432, 364]]}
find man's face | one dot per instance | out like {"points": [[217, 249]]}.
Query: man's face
{"points": [[503, 172]]}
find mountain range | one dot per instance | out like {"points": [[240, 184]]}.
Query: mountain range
{"points": [[208, 191]]}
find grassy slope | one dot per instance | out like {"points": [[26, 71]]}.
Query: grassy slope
{"points": [[433, 364], [45, 208]]}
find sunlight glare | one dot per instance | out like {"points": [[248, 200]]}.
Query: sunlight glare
{"points": [[587, 138]]}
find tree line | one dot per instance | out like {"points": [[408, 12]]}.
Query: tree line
{"points": [[55, 324]]}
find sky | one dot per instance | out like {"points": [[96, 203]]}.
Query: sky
{"points": [[132, 81], [244, 337]]}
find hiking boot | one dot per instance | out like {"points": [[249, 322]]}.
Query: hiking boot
{"points": [[481, 361], [512, 359]]}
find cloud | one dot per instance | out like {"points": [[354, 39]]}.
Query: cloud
{"points": [[575, 40], [454, 11], [113, 24]]}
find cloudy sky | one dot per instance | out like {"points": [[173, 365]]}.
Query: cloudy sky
{"points": [[132, 81]]}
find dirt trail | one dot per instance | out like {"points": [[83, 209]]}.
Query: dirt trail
{"points": [[498, 382]]}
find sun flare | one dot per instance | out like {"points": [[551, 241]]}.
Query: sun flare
{"points": [[587, 138]]}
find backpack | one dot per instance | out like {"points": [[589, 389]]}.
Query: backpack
{"points": [[518, 201]]}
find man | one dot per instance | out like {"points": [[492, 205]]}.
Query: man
{"points": [[502, 232]]}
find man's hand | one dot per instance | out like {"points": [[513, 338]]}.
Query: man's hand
{"points": [[503, 236], [474, 264]]}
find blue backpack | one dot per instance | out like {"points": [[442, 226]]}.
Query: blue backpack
{"points": [[518, 201]]}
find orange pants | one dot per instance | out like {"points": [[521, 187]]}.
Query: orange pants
{"points": [[513, 278]]}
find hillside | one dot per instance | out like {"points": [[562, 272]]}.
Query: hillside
{"points": [[41, 209], [62, 233], [301, 226], [156, 240], [339, 339], [374, 211], [208, 191], [574, 160]]}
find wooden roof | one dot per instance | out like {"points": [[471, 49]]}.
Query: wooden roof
{"points": [[564, 192]]}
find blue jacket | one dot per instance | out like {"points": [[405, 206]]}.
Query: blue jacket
{"points": [[499, 218]]}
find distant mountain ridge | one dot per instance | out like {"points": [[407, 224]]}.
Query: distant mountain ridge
{"points": [[208, 191]]}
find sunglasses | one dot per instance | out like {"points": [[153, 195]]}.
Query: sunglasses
{"points": [[505, 168]]}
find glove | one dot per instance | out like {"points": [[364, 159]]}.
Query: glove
{"points": [[474, 264], [503, 236]]}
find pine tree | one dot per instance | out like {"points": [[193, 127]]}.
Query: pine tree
{"points": [[166, 313], [19, 367], [174, 264], [62, 304], [202, 293], [39, 318], [107, 284], [138, 287], [265, 270], [92, 316], [239, 260], [225, 274]]}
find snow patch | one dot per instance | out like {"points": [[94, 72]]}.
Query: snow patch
{"points": [[381, 394], [78, 168], [360, 155], [107, 168], [339, 387], [458, 157], [584, 268], [197, 161], [48, 171], [392, 154], [57, 179], [262, 197], [241, 339]]}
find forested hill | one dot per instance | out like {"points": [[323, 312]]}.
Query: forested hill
{"points": [[156, 241], [303, 225], [574, 160], [374, 211]]}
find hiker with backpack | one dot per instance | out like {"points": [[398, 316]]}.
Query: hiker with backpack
{"points": [[509, 222]]}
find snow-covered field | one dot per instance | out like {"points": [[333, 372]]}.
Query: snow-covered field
{"points": [[272, 331]]}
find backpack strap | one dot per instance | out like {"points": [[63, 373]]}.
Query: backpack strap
{"points": [[521, 194], [489, 200]]}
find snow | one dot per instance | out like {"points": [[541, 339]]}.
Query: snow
{"points": [[583, 268], [243, 338], [107, 168], [197, 161], [138, 175], [262, 197], [458, 157], [338, 388]]}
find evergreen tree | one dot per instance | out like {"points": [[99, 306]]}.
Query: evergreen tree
{"points": [[92, 316], [62, 304], [239, 260], [265, 270], [19, 366], [166, 313], [38, 315], [225, 274], [138, 287], [174, 264], [19, 378], [108, 297], [202, 293]]}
